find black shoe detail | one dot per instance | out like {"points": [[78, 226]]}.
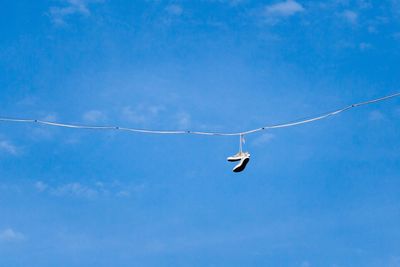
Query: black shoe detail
{"points": [[242, 165]]}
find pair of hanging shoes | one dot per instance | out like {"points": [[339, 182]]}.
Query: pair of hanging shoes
{"points": [[243, 158]]}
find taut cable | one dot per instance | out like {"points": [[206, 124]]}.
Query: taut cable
{"points": [[150, 131]]}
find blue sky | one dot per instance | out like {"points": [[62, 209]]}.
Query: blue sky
{"points": [[322, 194]]}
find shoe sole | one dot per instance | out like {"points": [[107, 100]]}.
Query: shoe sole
{"points": [[242, 166], [233, 159]]}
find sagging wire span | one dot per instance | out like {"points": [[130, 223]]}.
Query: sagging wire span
{"points": [[240, 134]]}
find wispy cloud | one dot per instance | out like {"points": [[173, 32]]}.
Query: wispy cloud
{"points": [[364, 4], [45, 133], [350, 16], [9, 148], [50, 117], [94, 116], [40, 186], [230, 2], [365, 46], [376, 115], [172, 13], [183, 120], [59, 14], [28, 101], [89, 191], [174, 9], [76, 190], [10, 235], [280, 10], [141, 114], [263, 139]]}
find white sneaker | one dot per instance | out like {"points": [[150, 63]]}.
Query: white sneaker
{"points": [[236, 157], [243, 162]]}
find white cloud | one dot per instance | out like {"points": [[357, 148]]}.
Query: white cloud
{"points": [[9, 235], [231, 2], [350, 16], [72, 140], [184, 120], [376, 115], [174, 9], [124, 193], [90, 191], [141, 114], [70, 189], [284, 9], [364, 4], [8, 147], [28, 101], [40, 186], [50, 117], [365, 46], [58, 14], [94, 116], [75, 189], [42, 133], [394, 261], [372, 29], [263, 139]]}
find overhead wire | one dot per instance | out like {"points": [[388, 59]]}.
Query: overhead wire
{"points": [[150, 131]]}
